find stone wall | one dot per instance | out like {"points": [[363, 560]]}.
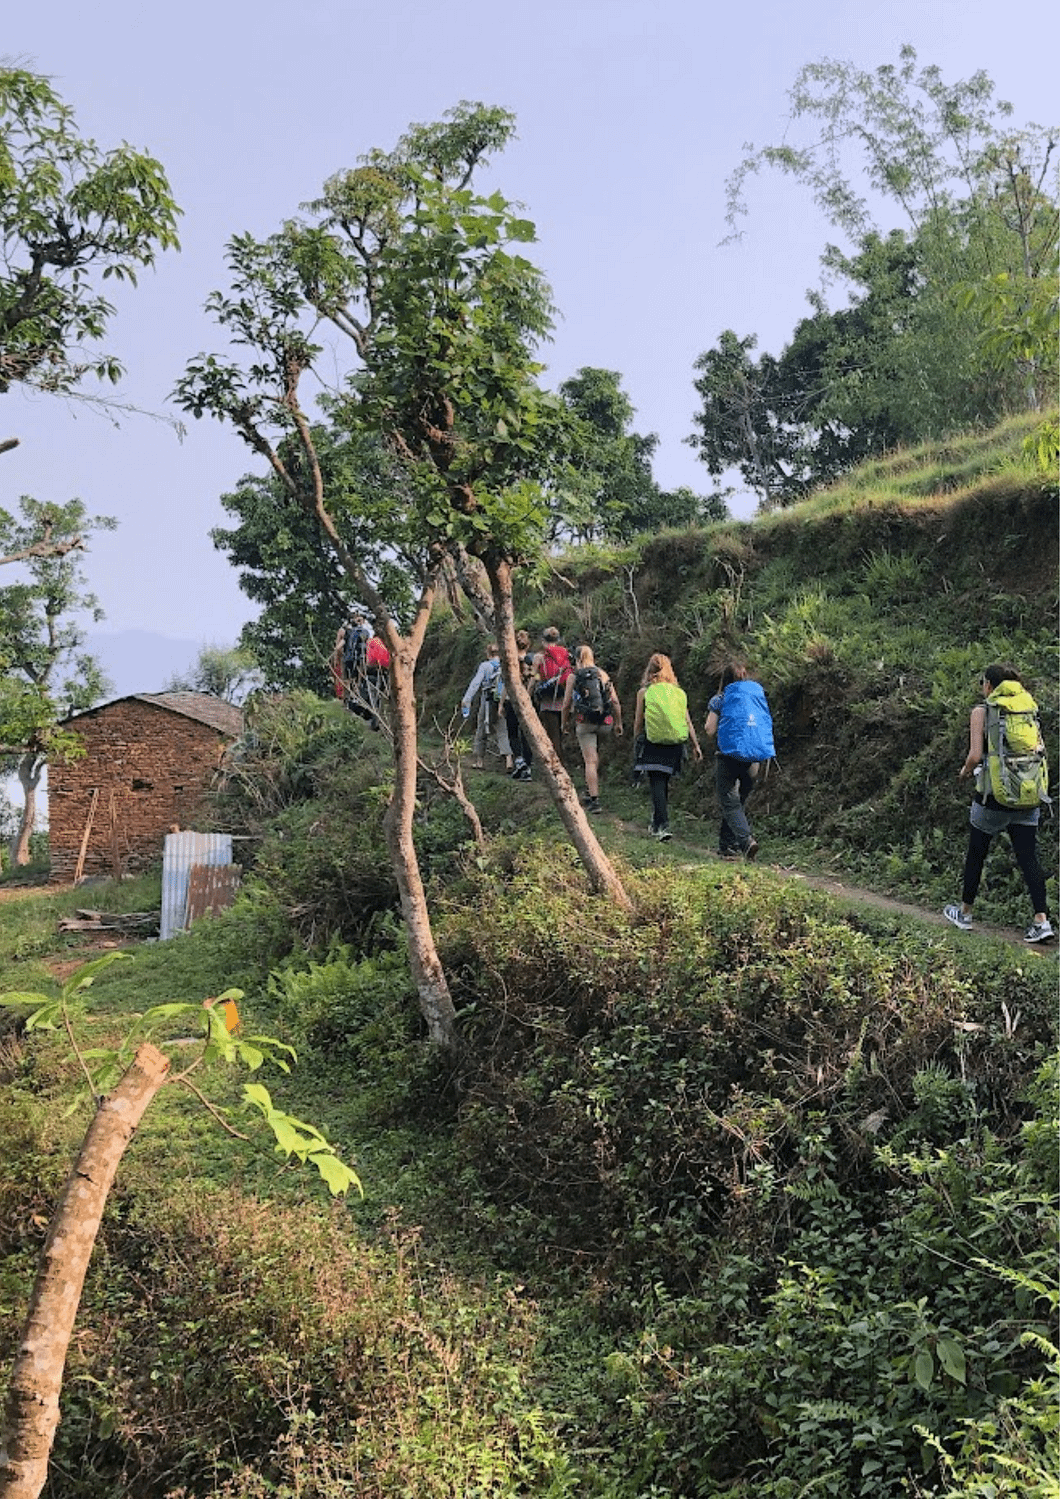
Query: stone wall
{"points": [[151, 768]]}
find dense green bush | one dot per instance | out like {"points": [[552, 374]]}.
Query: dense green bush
{"points": [[802, 1158]]}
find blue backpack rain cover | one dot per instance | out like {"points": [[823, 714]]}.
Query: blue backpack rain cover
{"points": [[745, 726]]}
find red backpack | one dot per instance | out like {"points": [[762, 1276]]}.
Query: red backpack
{"points": [[553, 673]]}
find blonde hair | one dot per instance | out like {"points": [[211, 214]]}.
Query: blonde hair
{"points": [[659, 669], [522, 639], [583, 656]]}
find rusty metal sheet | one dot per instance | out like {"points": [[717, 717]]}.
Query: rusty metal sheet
{"points": [[211, 887], [181, 851]]}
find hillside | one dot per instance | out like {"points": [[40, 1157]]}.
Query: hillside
{"points": [[748, 1194], [868, 613]]}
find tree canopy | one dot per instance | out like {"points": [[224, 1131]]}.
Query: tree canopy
{"points": [[71, 217], [952, 317], [44, 673]]}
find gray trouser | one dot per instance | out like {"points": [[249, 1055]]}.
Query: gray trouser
{"points": [[735, 780], [490, 718]]}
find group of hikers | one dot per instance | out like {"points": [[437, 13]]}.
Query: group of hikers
{"points": [[360, 669], [573, 691], [1006, 755]]}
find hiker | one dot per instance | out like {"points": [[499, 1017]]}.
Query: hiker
{"points": [[551, 669], [739, 716], [376, 676], [488, 684], [1007, 758], [354, 638], [522, 755], [592, 700], [662, 728]]}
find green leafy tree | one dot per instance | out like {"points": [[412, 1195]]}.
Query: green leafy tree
{"points": [[44, 674], [261, 397], [288, 567], [445, 315], [606, 489], [71, 216], [441, 319], [607, 482], [979, 200], [229, 672], [850, 383], [746, 421]]}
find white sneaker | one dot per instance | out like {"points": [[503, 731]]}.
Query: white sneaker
{"points": [[961, 919], [1038, 931]]}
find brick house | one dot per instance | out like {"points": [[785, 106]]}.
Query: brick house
{"points": [[149, 759]]}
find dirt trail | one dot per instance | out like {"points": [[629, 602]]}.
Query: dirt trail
{"points": [[856, 895]]}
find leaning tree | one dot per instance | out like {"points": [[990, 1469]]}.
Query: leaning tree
{"points": [[441, 319], [425, 280]]}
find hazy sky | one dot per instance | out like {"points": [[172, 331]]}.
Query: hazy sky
{"points": [[631, 114]]}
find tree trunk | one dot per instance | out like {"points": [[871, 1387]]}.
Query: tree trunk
{"points": [[30, 770], [32, 1412], [598, 866], [436, 1003]]}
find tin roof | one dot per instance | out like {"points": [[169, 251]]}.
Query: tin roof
{"points": [[203, 707]]}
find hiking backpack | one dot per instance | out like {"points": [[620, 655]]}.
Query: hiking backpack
{"points": [[666, 713], [745, 726], [591, 696], [1014, 772], [554, 670], [355, 649], [495, 684]]}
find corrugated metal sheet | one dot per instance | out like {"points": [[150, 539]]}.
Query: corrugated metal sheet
{"points": [[181, 851]]}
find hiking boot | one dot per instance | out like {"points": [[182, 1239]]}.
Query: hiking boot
{"points": [[662, 835], [961, 919], [1039, 931], [592, 804], [522, 774], [751, 850]]}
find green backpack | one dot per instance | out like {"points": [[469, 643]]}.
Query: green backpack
{"points": [[665, 713], [1014, 773]]}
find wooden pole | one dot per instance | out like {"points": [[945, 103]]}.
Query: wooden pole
{"points": [[80, 867]]}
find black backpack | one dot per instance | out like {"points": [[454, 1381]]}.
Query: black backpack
{"points": [[592, 700], [355, 650]]}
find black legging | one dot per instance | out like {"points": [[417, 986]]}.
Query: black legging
{"points": [[1024, 846], [516, 738], [659, 782]]}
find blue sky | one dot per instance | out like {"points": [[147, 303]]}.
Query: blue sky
{"points": [[631, 115]]}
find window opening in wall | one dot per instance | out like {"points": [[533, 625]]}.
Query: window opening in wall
{"points": [[139, 785]]}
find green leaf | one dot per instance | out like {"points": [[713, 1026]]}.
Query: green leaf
{"points": [[44, 1019], [16, 1000], [158, 1013], [257, 1095], [338, 1176], [924, 1369], [86, 975], [951, 1357]]}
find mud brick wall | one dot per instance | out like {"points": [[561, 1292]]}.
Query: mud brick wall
{"points": [[151, 767]]}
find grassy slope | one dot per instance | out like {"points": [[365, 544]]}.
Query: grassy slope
{"points": [[868, 612]]}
